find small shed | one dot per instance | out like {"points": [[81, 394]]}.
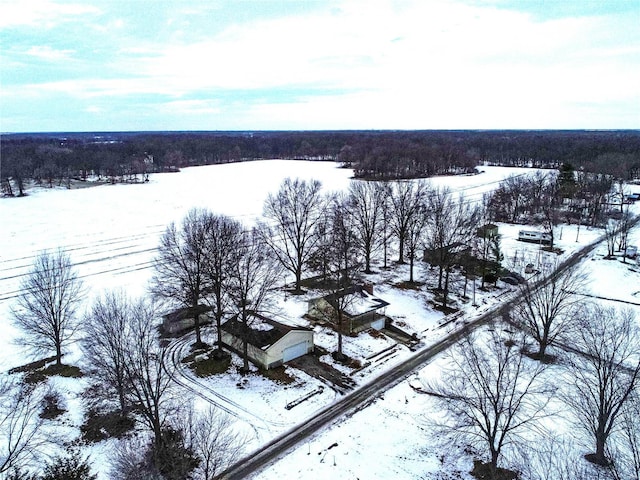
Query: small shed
{"points": [[361, 309], [184, 318], [269, 343], [488, 230]]}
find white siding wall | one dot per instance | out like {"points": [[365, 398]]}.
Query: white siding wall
{"points": [[272, 356], [274, 352]]}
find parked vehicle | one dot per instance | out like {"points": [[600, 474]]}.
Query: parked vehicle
{"points": [[631, 251], [512, 278]]}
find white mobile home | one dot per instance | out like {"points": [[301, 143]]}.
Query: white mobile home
{"points": [[534, 236]]}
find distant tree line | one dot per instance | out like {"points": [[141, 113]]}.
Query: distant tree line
{"points": [[57, 159]]}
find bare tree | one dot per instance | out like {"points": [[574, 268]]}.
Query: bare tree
{"points": [[604, 374], [594, 189], [223, 237], [610, 232], [452, 225], [624, 226], [482, 242], [172, 459], [366, 203], [507, 202], [148, 371], [132, 461], [546, 197], [619, 191], [343, 260], [213, 439], [318, 261], [626, 454], [406, 199], [20, 422], [415, 236], [294, 212], [491, 395], [46, 310], [551, 457], [105, 340], [254, 276], [548, 308], [385, 191], [489, 255], [181, 264]]}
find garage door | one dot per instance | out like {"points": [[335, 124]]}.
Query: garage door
{"points": [[294, 351]]}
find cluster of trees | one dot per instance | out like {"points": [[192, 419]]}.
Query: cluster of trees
{"points": [[548, 197], [594, 151], [603, 367], [127, 362], [56, 159], [524, 198], [408, 157], [211, 259], [494, 396], [52, 163], [579, 197]]}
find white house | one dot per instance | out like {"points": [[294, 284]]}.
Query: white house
{"points": [[269, 343], [361, 309]]}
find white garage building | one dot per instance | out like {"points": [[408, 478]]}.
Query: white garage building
{"points": [[269, 343]]}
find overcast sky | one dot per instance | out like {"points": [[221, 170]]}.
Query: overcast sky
{"points": [[285, 64]]}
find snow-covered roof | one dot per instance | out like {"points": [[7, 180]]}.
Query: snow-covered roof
{"points": [[263, 331], [358, 301]]}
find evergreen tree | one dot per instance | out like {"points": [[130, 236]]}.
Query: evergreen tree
{"points": [[72, 467]]}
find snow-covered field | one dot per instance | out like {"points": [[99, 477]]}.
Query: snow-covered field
{"points": [[111, 233]]}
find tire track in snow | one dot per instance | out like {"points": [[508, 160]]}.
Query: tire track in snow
{"points": [[91, 260], [86, 246], [184, 377], [118, 270]]}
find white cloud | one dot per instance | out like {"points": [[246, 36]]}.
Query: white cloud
{"points": [[45, 52], [359, 48], [190, 107], [86, 88], [40, 13]]}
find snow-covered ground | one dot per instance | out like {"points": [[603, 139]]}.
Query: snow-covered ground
{"points": [[111, 233], [395, 436]]}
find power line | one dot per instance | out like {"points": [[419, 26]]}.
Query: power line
{"points": [[143, 235]]}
